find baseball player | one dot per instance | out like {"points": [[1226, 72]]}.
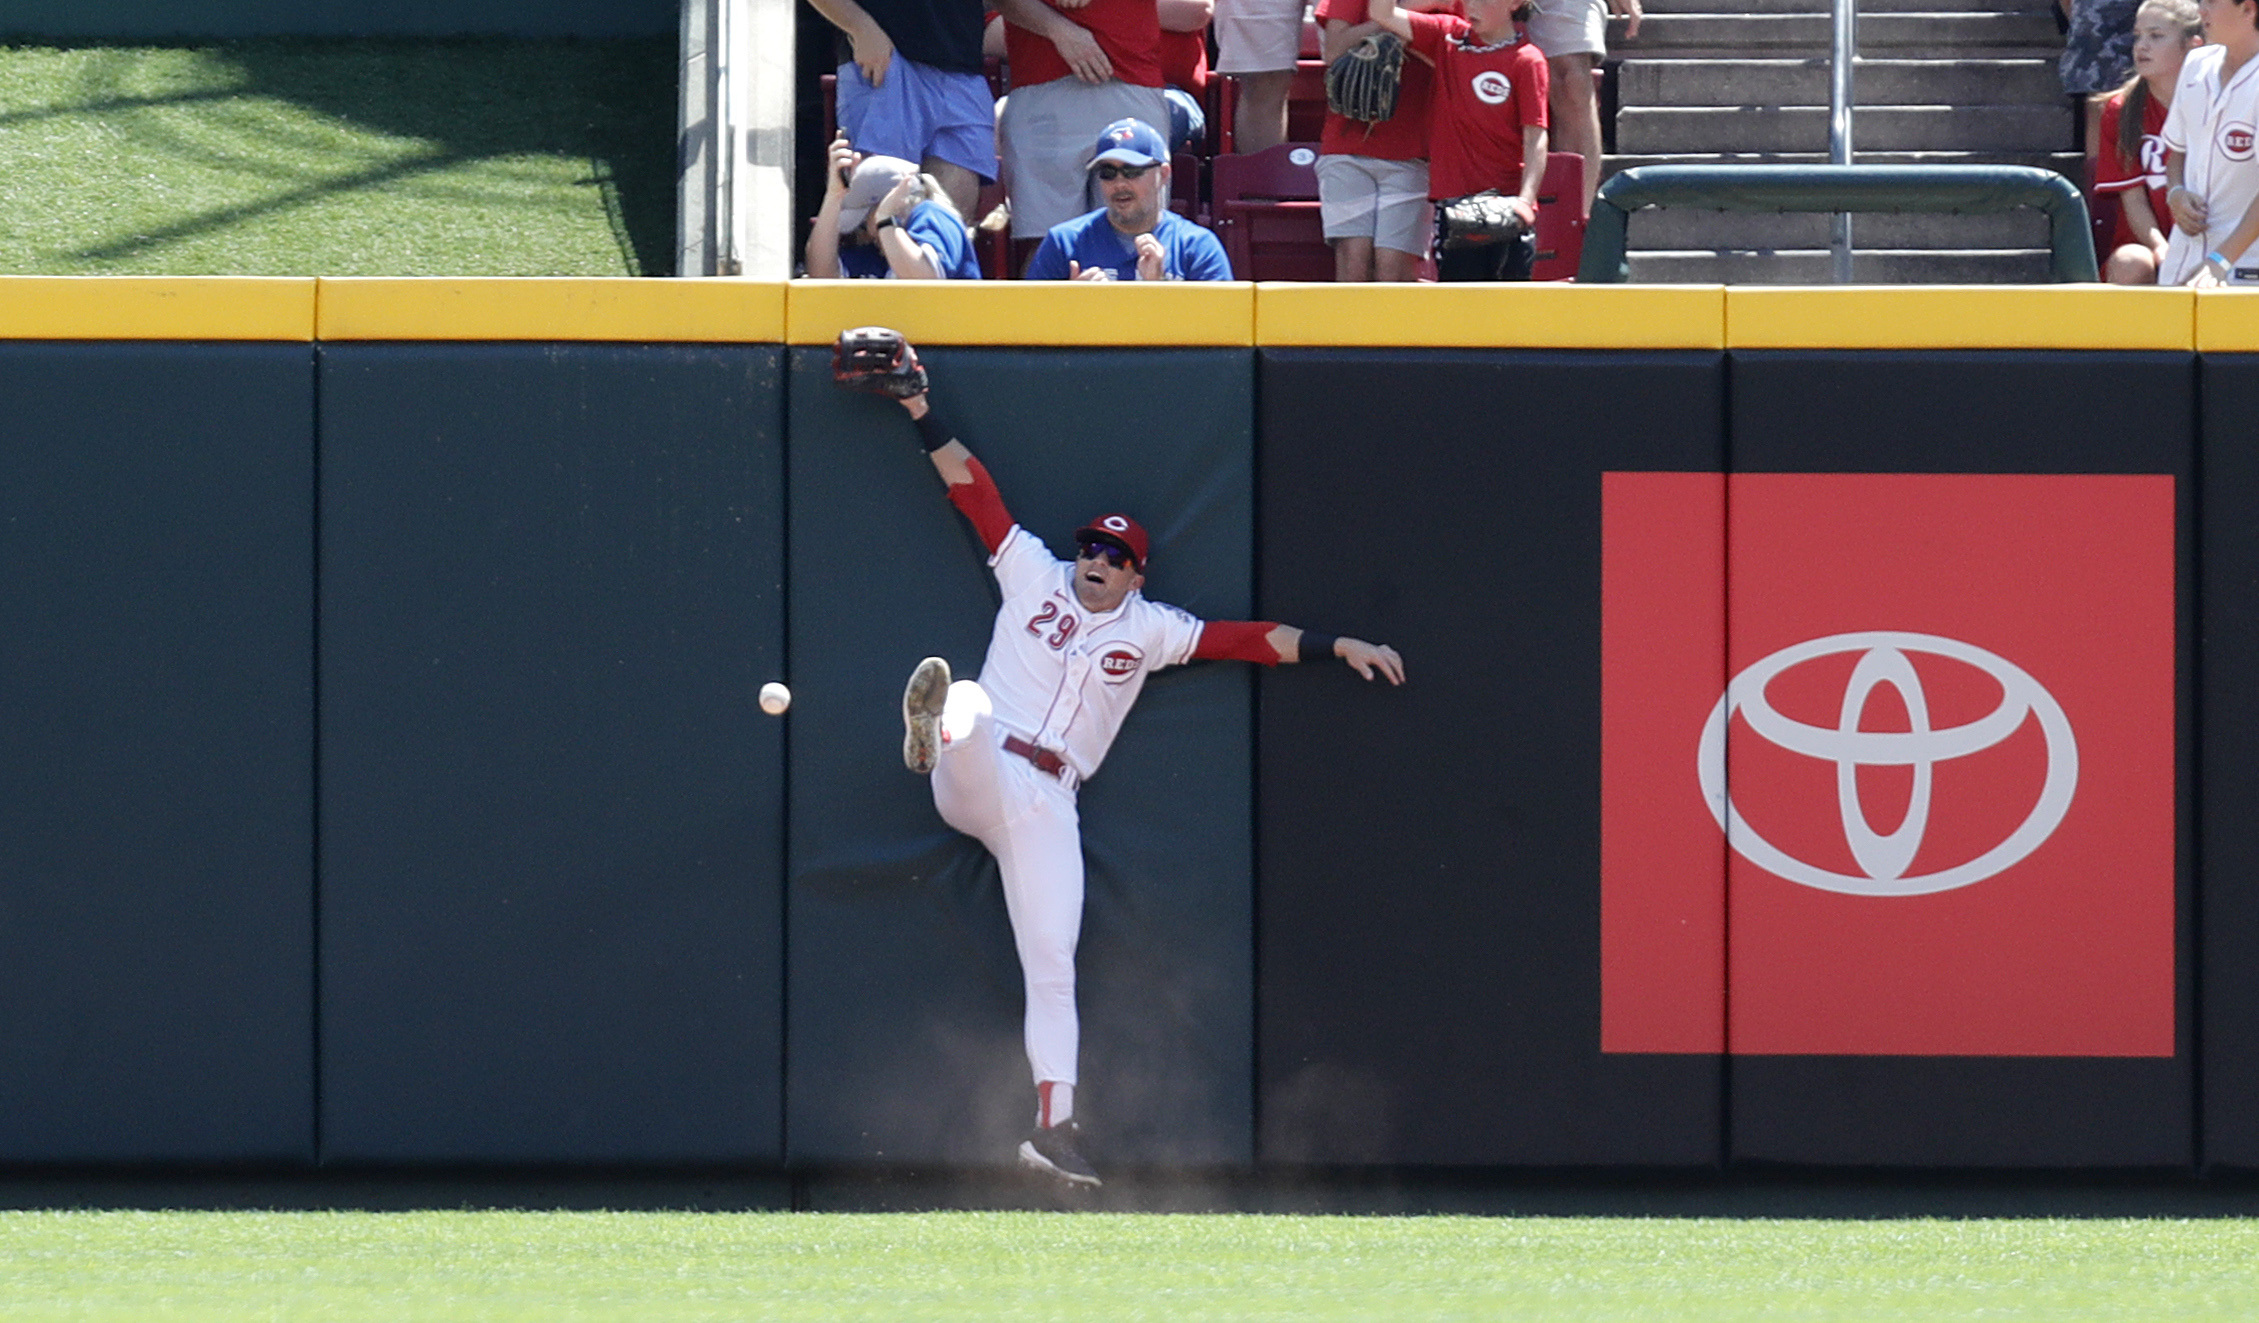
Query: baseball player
{"points": [[2211, 176], [1072, 646]]}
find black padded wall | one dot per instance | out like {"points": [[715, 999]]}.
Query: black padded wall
{"points": [[551, 808], [2229, 846], [905, 999], [1429, 905], [156, 806], [2037, 506]]}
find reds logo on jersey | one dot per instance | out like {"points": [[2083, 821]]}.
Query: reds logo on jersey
{"points": [[2235, 141], [1492, 88], [2153, 159], [1121, 661]]}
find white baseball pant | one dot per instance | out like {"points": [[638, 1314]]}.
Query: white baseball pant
{"points": [[1027, 819]]}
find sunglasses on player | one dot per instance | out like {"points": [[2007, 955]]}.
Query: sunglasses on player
{"points": [[1109, 171], [1105, 551]]}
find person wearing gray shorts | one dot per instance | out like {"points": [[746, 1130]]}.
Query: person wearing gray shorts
{"points": [[1574, 36], [1373, 178], [1375, 210]]}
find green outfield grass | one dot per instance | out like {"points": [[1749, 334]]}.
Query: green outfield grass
{"points": [[666, 1266], [305, 157]]}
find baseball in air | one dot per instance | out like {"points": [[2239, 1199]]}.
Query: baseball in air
{"points": [[775, 698]]}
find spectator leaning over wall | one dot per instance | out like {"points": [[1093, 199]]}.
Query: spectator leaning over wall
{"points": [[1076, 68], [1134, 236], [881, 218], [2211, 174], [914, 87], [2131, 162], [1486, 138]]}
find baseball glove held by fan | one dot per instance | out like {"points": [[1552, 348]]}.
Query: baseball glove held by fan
{"points": [[878, 361], [1362, 82]]}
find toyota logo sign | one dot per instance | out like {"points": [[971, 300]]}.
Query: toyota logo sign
{"points": [[1884, 857]]}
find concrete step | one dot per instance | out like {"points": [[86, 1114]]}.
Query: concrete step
{"points": [[2069, 164], [1729, 7], [1644, 83], [1686, 228], [1817, 267], [1761, 128], [1757, 34]]}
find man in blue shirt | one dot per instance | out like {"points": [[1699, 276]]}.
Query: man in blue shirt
{"points": [[1134, 236]]}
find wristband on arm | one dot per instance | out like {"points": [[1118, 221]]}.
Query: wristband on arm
{"points": [[933, 433], [1313, 645]]}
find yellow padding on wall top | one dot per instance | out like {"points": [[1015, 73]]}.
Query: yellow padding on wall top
{"points": [[2227, 321], [1960, 317], [1545, 316], [656, 311], [156, 308], [1031, 312]]}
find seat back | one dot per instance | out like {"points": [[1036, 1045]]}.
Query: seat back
{"points": [[1266, 208], [1560, 218]]}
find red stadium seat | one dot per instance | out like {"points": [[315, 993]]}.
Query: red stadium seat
{"points": [[1560, 218], [1266, 208]]}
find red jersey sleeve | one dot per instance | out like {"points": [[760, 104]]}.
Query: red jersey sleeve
{"points": [[1432, 32], [1532, 85], [1237, 640], [980, 502], [2113, 172]]}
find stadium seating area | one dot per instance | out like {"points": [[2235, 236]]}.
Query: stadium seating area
{"points": [[1264, 205]]}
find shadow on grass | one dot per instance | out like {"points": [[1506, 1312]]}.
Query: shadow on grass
{"points": [[609, 103]]}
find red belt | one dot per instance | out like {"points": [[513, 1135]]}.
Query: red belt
{"points": [[1045, 761]]}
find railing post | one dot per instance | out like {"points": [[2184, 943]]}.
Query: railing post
{"points": [[1844, 50]]}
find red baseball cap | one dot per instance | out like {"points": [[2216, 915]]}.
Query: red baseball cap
{"points": [[1119, 529]]}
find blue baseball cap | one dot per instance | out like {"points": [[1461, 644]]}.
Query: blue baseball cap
{"points": [[1132, 142]]}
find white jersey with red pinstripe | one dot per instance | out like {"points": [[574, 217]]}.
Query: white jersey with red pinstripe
{"points": [[1064, 677]]}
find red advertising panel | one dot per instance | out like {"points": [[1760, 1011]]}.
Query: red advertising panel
{"points": [[1942, 758], [1662, 861]]}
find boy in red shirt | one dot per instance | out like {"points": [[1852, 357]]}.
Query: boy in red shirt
{"points": [[1487, 126]]}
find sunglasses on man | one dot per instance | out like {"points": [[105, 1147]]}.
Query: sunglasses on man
{"points": [[1105, 551], [1109, 171]]}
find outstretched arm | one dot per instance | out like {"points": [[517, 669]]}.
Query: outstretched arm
{"points": [[971, 490], [1268, 643]]}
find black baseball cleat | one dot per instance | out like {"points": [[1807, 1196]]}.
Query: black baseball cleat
{"points": [[1052, 1149], [921, 714]]}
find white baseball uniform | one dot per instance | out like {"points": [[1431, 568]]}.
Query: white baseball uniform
{"points": [[1056, 683], [1060, 678], [2215, 128]]}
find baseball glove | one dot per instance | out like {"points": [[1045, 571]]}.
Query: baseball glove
{"points": [[1362, 82], [878, 361], [1477, 218]]}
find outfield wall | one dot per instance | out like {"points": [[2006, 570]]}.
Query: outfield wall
{"points": [[384, 783]]}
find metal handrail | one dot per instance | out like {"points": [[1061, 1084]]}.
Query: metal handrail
{"points": [[1843, 52], [1965, 189]]}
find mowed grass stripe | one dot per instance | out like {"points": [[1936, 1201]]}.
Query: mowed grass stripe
{"points": [[338, 157], [666, 1266]]}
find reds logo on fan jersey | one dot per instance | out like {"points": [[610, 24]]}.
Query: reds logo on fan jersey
{"points": [[2235, 141], [1120, 662], [1492, 88]]}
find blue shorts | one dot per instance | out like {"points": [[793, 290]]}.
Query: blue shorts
{"points": [[921, 112]]}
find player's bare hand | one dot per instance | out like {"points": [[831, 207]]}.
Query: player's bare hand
{"points": [[843, 158], [1076, 271], [1152, 262], [1368, 659], [874, 52], [1083, 54], [2188, 210]]}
